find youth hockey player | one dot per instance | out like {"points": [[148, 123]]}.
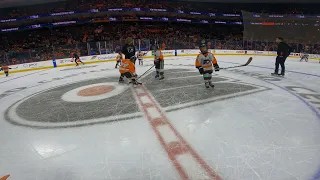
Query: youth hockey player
{"points": [[204, 62], [304, 57], [159, 63], [76, 59], [5, 69], [140, 57], [283, 52], [129, 50], [128, 70], [119, 59]]}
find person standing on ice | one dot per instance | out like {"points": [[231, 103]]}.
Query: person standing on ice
{"points": [[119, 59], [283, 52], [128, 70], [5, 69], [204, 62], [140, 55], [159, 62], [129, 50], [77, 58]]}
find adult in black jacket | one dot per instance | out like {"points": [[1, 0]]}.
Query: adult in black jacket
{"points": [[283, 52], [129, 50]]}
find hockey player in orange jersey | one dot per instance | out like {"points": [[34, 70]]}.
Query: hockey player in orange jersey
{"points": [[128, 70], [159, 62], [5, 69], [204, 62]]}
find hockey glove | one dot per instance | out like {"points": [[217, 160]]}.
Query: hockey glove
{"points": [[201, 71], [156, 61], [216, 67]]}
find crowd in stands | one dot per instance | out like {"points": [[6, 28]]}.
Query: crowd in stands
{"points": [[46, 44], [84, 5], [58, 42]]}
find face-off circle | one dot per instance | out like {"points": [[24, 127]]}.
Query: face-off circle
{"points": [[77, 104], [93, 92]]}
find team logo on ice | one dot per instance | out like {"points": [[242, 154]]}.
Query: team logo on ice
{"points": [[102, 100]]}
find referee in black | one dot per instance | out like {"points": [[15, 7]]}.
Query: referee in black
{"points": [[283, 52]]}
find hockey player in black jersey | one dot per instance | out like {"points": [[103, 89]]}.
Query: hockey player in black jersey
{"points": [[76, 59], [283, 52], [129, 50]]}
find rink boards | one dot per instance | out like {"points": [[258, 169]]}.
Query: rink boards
{"points": [[167, 53]]}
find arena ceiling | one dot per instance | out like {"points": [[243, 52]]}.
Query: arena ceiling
{"points": [[258, 1], [13, 3]]}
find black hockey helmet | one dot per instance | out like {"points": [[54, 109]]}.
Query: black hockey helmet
{"points": [[203, 48], [133, 59]]}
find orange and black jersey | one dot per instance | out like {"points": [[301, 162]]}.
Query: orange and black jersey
{"points": [[5, 68], [127, 66], [206, 61], [158, 55]]}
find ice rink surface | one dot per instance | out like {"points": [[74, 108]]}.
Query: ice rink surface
{"points": [[78, 123]]}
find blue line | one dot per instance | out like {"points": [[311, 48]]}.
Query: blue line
{"points": [[297, 72]]}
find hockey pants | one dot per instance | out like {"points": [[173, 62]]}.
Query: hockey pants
{"points": [[128, 75], [159, 65], [207, 75], [118, 63], [76, 61]]}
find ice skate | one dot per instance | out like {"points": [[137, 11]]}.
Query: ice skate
{"points": [[211, 85], [121, 81], [274, 74], [207, 85], [161, 77], [135, 83]]}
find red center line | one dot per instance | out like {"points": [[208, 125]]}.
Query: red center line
{"points": [[174, 148]]}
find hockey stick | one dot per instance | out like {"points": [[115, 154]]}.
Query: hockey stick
{"points": [[246, 64], [145, 72]]}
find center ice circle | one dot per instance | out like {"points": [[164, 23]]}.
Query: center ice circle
{"points": [[93, 92], [96, 90]]}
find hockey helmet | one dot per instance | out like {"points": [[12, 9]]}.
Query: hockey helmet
{"points": [[203, 49], [133, 59]]}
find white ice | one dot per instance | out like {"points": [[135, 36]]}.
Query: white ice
{"points": [[272, 134]]}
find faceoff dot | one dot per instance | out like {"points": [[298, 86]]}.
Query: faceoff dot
{"points": [[96, 90]]}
